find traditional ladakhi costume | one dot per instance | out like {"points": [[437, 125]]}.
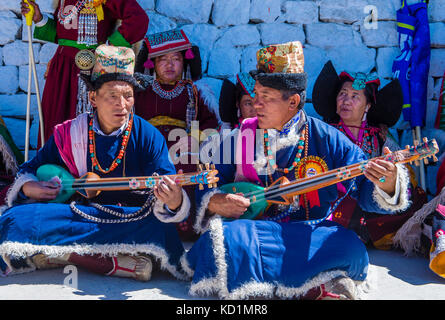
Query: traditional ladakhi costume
{"points": [[230, 95], [170, 107], [291, 251], [86, 233], [78, 27], [372, 228]]}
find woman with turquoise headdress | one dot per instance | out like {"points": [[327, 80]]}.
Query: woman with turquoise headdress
{"points": [[236, 100], [353, 103]]}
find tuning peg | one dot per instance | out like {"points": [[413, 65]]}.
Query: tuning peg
{"points": [[407, 146], [213, 166], [201, 187], [210, 185], [425, 139], [199, 167], [425, 160], [434, 158], [207, 166], [416, 162], [416, 143]]}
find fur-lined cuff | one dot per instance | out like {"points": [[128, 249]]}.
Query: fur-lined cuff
{"points": [[42, 22], [16, 187], [165, 216], [202, 218], [400, 201]]}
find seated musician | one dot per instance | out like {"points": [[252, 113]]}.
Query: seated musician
{"points": [[290, 250], [118, 232], [353, 103]]}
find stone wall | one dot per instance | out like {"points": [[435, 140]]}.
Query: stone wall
{"points": [[229, 32]]}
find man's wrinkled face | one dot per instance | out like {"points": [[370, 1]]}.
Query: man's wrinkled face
{"points": [[113, 102]]}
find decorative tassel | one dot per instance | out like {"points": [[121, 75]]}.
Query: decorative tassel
{"points": [[189, 54], [149, 64]]}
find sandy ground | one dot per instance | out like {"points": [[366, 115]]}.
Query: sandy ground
{"points": [[394, 277]]}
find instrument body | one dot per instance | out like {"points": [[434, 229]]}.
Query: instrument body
{"points": [[90, 184], [283, 191]]}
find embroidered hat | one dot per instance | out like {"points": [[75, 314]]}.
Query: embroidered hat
{"points": [[159, 44], [386, 107], [245, 83], [113, 64], [281, 66]]}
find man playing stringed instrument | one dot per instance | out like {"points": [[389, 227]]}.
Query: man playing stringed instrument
{"points": [[124, 236], [290, 250]]}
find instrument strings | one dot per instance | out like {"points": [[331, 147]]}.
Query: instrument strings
{"points": [[80, 183], [278, 190]]}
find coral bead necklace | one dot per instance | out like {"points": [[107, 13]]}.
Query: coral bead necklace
{"points": [[123, 147]]}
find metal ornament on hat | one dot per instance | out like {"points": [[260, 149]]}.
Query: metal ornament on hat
{"points": [[84, 60]]}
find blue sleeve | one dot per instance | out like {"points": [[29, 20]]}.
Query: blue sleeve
{"points": [[48, 154]]}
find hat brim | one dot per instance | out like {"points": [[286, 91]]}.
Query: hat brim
{"points": [[227, 102], [138, 81], [389, 104], [281, 81], [324, 92]]}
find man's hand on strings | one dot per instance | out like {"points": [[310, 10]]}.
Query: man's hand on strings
{"points": [[382, 173], [169, 192]]}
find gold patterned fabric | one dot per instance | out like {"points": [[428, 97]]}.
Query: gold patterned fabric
{"points": [[281, 58]]}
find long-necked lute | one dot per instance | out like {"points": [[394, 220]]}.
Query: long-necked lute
{"points": [[283, 191], [90, 184]]}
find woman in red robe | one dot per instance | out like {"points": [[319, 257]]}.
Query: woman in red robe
{"points": [[172, 101], [78, 27]]}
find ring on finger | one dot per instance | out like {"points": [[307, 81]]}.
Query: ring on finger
{"points": [[382, 179]]}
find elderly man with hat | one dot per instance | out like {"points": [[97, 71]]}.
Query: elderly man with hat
{"points": [[288, 250], [117, 232]]}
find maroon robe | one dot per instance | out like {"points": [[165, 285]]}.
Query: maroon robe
{"points": [[59, 98], [149, 105]]}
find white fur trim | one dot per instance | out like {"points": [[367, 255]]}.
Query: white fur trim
{"points": [[208, 96], [404, 202], [27, 249], [218, 284], [186, 267], [13, 192], [166, 217], [408, 236], [202, 221], [8, 157], [291, 139]]}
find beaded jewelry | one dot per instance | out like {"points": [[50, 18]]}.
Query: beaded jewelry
{"points": [[121, 218], [169, 95], [367, 140], [303, 145], [92, 146], [271, 159]]}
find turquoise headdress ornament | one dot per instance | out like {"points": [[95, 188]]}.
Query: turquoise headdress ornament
{"points": [[247, 82], [360, 79]]}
